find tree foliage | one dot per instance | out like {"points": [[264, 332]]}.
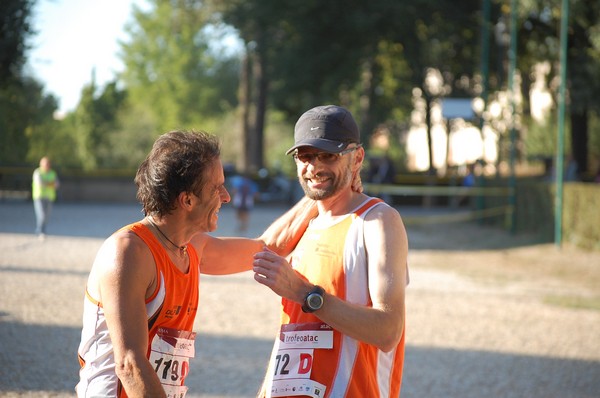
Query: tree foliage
{"points": [[367, 56], [539, 31], [25, 110], [170, 68], [15, 28], [93, 123]]}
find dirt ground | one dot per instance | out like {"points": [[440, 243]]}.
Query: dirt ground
{"points": [[488, 314]]}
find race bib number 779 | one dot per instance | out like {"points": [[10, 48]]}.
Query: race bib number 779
{"points": [[170, 355]]}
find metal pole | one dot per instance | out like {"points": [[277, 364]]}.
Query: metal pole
{"points": [[485, 52], [485, 77], [558, 209], [512, 66]]}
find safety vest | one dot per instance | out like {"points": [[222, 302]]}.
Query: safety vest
{"points": [[44, 185]]}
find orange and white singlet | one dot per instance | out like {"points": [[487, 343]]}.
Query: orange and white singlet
{"points": [[312, 359], [171, 311]]}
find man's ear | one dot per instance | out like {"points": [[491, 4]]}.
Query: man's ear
{"points": [[359, 158], [185, 200]]}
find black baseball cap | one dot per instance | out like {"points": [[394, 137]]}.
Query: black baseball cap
{"points": [[330, 128]]}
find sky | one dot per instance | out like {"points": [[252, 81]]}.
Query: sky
{"points": [[75, 37]]}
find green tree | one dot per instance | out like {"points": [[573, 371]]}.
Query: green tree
{"points": [[297, 58], [366, 56], [25, 110], [50, 137], [15, 28], [24, 107], [133, 136], [441, 36], [539, 31], [171, 69], [258, 23], [93, 123]]}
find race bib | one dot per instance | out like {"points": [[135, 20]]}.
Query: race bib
{"points": [[292, 364], [170, 354]]}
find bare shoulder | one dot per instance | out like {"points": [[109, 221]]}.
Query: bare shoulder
{"points": [[122, 245], [123, 256], [384, 223], [386, 242], [384, 213]]}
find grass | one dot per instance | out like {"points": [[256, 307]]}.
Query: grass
{"points": [[573, 301]]}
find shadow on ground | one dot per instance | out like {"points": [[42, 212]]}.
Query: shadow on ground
{"points": [[429, 372], [449, 373]]}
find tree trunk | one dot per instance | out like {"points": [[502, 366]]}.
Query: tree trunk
{"points": [[428, 127], [262, 82], [245, 90], [428, 200], [365, 99]]}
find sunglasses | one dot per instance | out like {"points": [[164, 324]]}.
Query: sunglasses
{"points": [[323, 157]]}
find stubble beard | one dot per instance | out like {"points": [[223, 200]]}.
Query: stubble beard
{"points": [[337, 183], [316, 194]]}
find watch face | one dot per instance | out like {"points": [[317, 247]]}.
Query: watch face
{"points": [[314, 301]]}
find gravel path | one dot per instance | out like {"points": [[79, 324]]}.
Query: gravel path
{"points": [[480, 319]]}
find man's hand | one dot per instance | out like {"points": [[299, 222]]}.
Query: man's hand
{"points": [[275, 272]]}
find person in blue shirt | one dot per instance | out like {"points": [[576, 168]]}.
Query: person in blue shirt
{"points": [[244, 192]]}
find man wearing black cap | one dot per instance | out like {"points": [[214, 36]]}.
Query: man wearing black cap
{"points": [[342, 322]]}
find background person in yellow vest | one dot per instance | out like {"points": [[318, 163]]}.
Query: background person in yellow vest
{"points": [[43, 191]]}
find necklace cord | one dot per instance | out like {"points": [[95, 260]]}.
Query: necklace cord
{"points": [[182, 249]]}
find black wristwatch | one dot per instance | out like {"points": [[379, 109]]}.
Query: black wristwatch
{"points": [[313, 300]]}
